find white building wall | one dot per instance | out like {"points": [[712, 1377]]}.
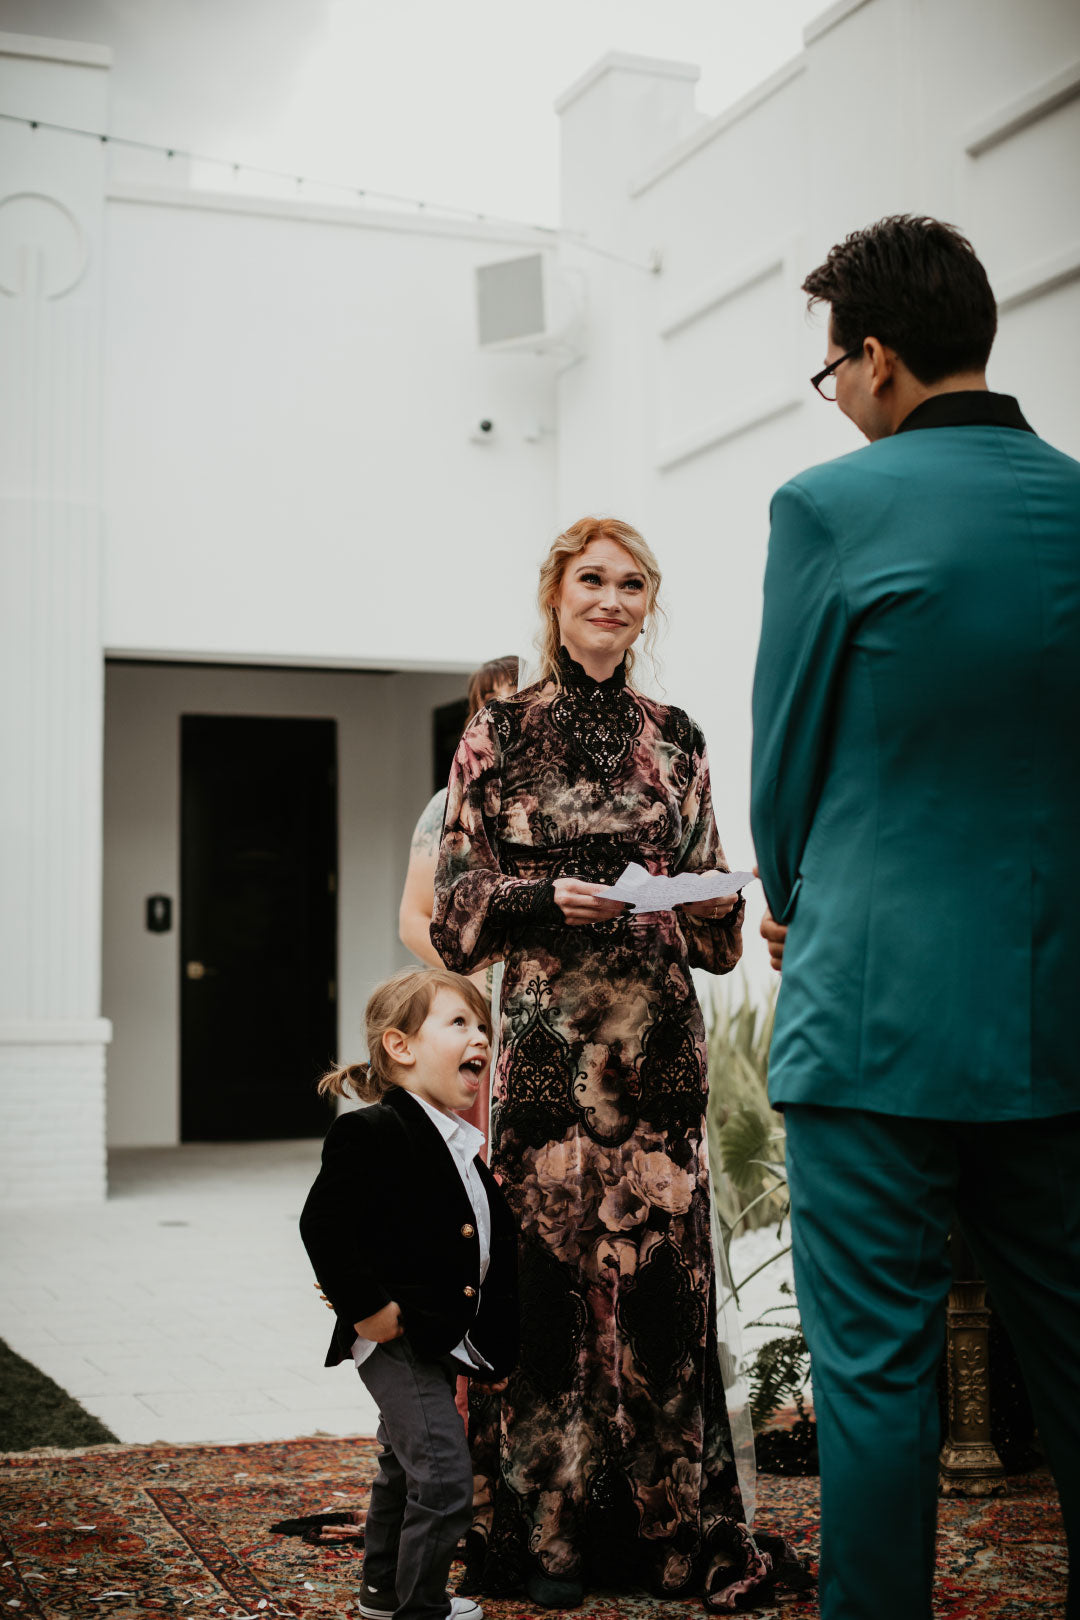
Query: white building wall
{"points": [[384, 781], [290, 393], [691, 403], [235, 430]]}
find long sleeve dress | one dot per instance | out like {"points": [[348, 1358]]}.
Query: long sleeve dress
{"points": [[609, 1456]]}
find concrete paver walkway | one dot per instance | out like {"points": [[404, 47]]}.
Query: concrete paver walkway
{"points": [[183, 1308]]}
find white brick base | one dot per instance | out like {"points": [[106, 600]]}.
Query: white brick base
{"points": [[52, 1112]]}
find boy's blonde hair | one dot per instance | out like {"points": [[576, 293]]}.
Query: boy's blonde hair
{"points": [[401, 1002]]}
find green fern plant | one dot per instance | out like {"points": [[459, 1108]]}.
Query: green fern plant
{"points": [[745, 1136], [778, 1377], [746, 1151]]}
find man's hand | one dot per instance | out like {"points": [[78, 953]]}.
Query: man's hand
{"points": [[383, 1326], [584, 902], [774, 934]]}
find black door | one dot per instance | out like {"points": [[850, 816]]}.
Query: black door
{"points": [[258, 926], [448, 724]]}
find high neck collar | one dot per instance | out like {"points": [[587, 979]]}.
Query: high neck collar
{"points": [[969, 407], [576, 679]]}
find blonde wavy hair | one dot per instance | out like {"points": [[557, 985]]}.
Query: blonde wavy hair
{"points": [[401, 1002], [571, 543]]}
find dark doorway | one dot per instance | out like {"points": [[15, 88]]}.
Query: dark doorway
{"points": [[258, 926], [449, 723]]}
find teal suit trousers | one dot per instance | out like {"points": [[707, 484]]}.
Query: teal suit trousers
{"points": [[873, 1197]]}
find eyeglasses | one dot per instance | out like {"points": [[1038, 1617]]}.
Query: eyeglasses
{"points": [[825, 381]]}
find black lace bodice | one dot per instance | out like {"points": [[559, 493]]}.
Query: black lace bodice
{"points": [[599, 719]]}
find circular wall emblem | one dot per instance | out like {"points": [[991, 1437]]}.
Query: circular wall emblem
{"points": [[42, 245]]}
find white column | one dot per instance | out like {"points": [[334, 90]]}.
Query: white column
{"points": [[52, 1037], [619, 117]]}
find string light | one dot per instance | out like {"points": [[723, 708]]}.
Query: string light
{"points": [[420, 204], [299, 180]]}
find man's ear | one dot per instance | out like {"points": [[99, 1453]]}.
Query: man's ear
{"points": [[882, 364], [396, 1046]]}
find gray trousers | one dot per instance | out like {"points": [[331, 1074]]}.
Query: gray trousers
{"points": [[421, 1501]]}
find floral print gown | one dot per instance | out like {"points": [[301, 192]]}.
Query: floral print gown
{"points": [[608, 1457], [425, 842]]}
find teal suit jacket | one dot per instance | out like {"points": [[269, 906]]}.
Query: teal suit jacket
{"points": [[916, 770]]}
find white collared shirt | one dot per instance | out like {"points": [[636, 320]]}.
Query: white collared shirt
{"points": [[464, 1142]]}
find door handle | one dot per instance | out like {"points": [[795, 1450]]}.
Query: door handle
{"points": [[199, 970]]}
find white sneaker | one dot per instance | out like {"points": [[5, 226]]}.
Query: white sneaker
{"points": [[464, 1608], [376, 1605]]}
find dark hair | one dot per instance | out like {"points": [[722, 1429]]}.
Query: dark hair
{"points": [[485, 681], [401, 1002], [916, 285]]}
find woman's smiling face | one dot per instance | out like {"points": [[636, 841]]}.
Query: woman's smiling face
{"points": [[601, 605]]}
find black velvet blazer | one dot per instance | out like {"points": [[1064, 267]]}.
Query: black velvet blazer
{"points": [[388, 1218]]}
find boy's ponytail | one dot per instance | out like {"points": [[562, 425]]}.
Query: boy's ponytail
{"points": [[354, 1080], [402, 1003]]}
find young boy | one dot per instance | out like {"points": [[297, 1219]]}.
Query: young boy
{"points": [[415, 1250]]}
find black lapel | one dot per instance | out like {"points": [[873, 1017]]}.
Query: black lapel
{"points": [[430, 1161]]}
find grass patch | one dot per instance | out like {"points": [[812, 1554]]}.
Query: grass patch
{"points": [[36, 1412]]}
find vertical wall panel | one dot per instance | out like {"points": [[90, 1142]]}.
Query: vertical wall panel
{"points": [[52, 1038]]}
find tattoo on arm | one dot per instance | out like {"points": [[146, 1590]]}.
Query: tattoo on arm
{"points": [[425, 839]]}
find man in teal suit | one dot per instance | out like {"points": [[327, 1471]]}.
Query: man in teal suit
{"points": [[916, 799]]}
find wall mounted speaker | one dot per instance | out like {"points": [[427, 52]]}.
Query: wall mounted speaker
{"points": [[529, 305]]}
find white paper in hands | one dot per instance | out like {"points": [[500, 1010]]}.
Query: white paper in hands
{"points": [[644, 892]]}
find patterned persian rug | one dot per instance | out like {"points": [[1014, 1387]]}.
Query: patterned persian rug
{"points": [[274, 1530]]}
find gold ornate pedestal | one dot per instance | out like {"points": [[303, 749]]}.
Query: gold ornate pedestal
{"points": [[969, 1464]]}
